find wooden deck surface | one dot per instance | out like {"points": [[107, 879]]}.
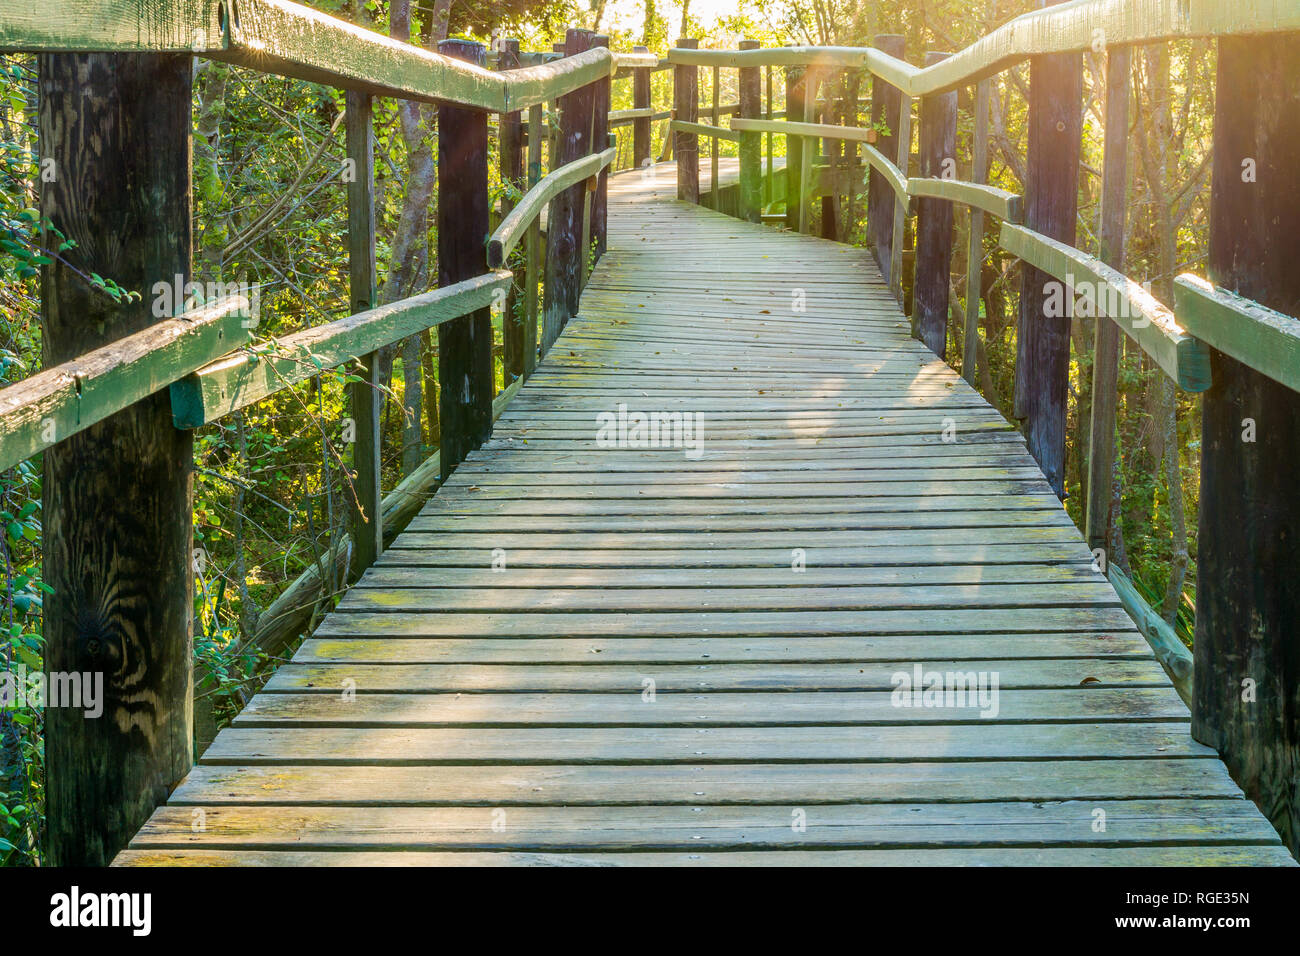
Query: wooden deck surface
{"points": [[691, 660]]}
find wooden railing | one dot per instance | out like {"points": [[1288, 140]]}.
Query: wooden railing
{"points": [[1232, 336], [115, 407]]}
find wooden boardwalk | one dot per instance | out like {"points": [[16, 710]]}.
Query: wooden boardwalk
{"points": [[691, 659]]}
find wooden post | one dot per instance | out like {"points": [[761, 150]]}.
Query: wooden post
{"points": [[532, 247], [599, 139], [794, 110], [1105, 361], [769, 183], [115, 143], [886, 104], [464, 344], [564, 252], [715, 193], [1246, 693], [899, 229], [365, 398], [938, 154], [975, 240], [1051, 207], [512, 173], [831, 152], [751, 144], [642, 127], [806, 146], [686, 107]]}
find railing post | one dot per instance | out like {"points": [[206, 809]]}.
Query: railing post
{"points": [[642, 126], [512, 173], [118, 508], [1051, 207], [1246, 692], [794, 112], [365, 397], [751, 144], [533, 246], [898, 232], [1105, 359], [886, 103], [599, 141], [769, 182], [715, 193], [464, 344], [686, 107], [975, 240], [931, 284], [564, 255]]}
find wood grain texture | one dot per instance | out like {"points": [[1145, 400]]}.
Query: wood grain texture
{"points": [[577, 651]]}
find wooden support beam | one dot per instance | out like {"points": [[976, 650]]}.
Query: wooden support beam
{"points": [[641, 127], [794, 109], [564, 252], [975, 237], [1247, 687], [885, 104], [938, 155], [715, 192], [599, 141], [751, 143], [533, 251], [118, 507], [901, 203], [511, 155], [365, 397], [1051, 208], [686, 108], [464, 344], [1105, 358]]}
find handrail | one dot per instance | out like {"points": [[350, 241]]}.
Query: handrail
{"points": [[243, 378], [1007, 206], [1265, 340], [704, 129], [1064, 28], [278, 36], [855, 134], [511, 231], [42, 410], [1133, 309], [893, 175]]}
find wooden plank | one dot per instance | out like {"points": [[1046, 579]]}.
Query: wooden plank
{"points": [[247, 377], [56, 403]]}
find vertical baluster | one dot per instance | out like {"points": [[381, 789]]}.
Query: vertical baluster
{"points": [[886, 101], [1105, 361], [686, 107], [511, 155], [641, 127], [751, 144], [464, 344], [564, 253], [899, 221], [975, 241], [1246, 692], [533, 245], [1051, 207], [365, 397], [599, 143], [715, 190], [117, 497], [794, 111], [932, 283]]}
